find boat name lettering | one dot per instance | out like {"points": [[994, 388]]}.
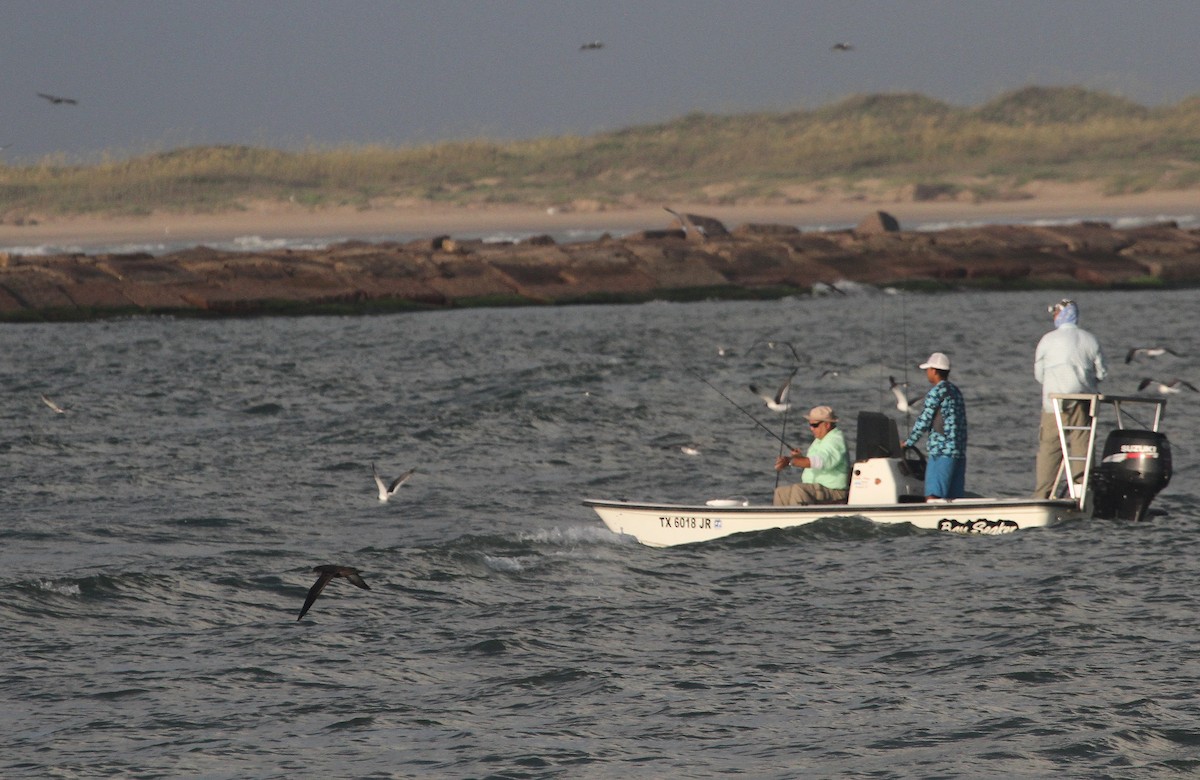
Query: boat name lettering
{"points": [[685, 521], [979, 526]]}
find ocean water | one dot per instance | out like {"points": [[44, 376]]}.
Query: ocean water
{"points": [[158, 540]]}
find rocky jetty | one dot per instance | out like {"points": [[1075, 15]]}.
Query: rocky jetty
{"points": [[695, 257]]}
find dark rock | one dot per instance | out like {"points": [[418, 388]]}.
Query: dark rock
{"points": [[759, 231], [879, 222], [444, 272]]}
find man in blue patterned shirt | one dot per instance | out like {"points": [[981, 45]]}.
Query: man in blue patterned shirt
{"points": [[945, 419]]}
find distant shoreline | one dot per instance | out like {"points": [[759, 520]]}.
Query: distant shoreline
{"points": [[280, 220]]}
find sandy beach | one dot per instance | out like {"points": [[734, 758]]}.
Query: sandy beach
{"points": [[279, 220]]}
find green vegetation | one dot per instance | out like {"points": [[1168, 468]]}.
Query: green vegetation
{"points": [[859, 145]]}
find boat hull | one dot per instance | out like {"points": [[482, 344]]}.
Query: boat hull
{"points": [[667, 525]]}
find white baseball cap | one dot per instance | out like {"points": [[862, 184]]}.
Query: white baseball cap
{"points": [[938, 360]]}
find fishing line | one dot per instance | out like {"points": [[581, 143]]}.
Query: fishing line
{"points": [[735, 405], [783, 433], [904, 348]]}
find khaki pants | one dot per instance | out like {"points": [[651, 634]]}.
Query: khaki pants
{"points": [[1049, 456], [808, 493]]}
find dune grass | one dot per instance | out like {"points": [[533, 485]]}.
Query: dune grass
{"points": [[873, 141]]}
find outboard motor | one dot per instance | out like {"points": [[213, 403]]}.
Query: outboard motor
{"points": [[1136, 465]]}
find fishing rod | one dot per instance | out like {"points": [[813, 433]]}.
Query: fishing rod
{"points": [[774, 435], [783, 432]]}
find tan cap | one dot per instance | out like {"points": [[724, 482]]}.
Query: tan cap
{"points": [[822, 414]]}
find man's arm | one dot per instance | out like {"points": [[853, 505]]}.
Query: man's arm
{"points": [[925, 420], [1101, 365]]}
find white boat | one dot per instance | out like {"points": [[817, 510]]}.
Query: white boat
{"points": [[888, 488]]}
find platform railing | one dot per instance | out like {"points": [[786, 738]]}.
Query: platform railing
{"points": [[1078, 491]]}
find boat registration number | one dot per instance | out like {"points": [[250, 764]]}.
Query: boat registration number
{"points": [[688, 521]]}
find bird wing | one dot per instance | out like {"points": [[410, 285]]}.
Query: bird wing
{"points": [[1186, 384], [782, 393], [315, 591], [355, 579], [1130, 355], [1142, 384], [383, 488], [398, 481]]}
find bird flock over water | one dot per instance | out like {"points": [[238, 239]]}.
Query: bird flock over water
{"points": [[778, 400], [1139, 355]]}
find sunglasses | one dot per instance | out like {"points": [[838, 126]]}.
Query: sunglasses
{"points": [[815, 424]]}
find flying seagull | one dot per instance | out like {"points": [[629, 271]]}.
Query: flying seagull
{"points": [[1167, 388], [1140, 352], [592, 45], [827, 288], [903, 403], [328, 571], [53, 405], [386, 491], [779, 401], [686, 224], [840, 46], [58, 101]]}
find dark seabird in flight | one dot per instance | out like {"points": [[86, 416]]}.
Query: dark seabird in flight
{"points": [[386, 491], [58, 101], [1167, 388], [839, 46], [328, 571], [592, 46], [1140, 352]]}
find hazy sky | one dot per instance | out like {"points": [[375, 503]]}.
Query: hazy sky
{"points": [[151, 75]]}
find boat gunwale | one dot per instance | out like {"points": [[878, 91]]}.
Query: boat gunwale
{"points": [[835, 510]]}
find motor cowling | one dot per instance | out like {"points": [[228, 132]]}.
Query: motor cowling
{"points": [[1135, 467]]}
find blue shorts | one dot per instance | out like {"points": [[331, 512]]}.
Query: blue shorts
{"points": [[945, 477]]}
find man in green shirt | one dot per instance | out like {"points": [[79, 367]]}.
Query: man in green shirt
{"points": [[826, 476]]}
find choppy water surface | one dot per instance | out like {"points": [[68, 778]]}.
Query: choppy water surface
{"points": [[158, 538]]}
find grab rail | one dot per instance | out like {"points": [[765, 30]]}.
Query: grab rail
{"points": [[1078, 491]]}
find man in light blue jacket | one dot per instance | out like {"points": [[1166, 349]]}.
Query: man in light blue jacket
{"points": [[1068, 360]]}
